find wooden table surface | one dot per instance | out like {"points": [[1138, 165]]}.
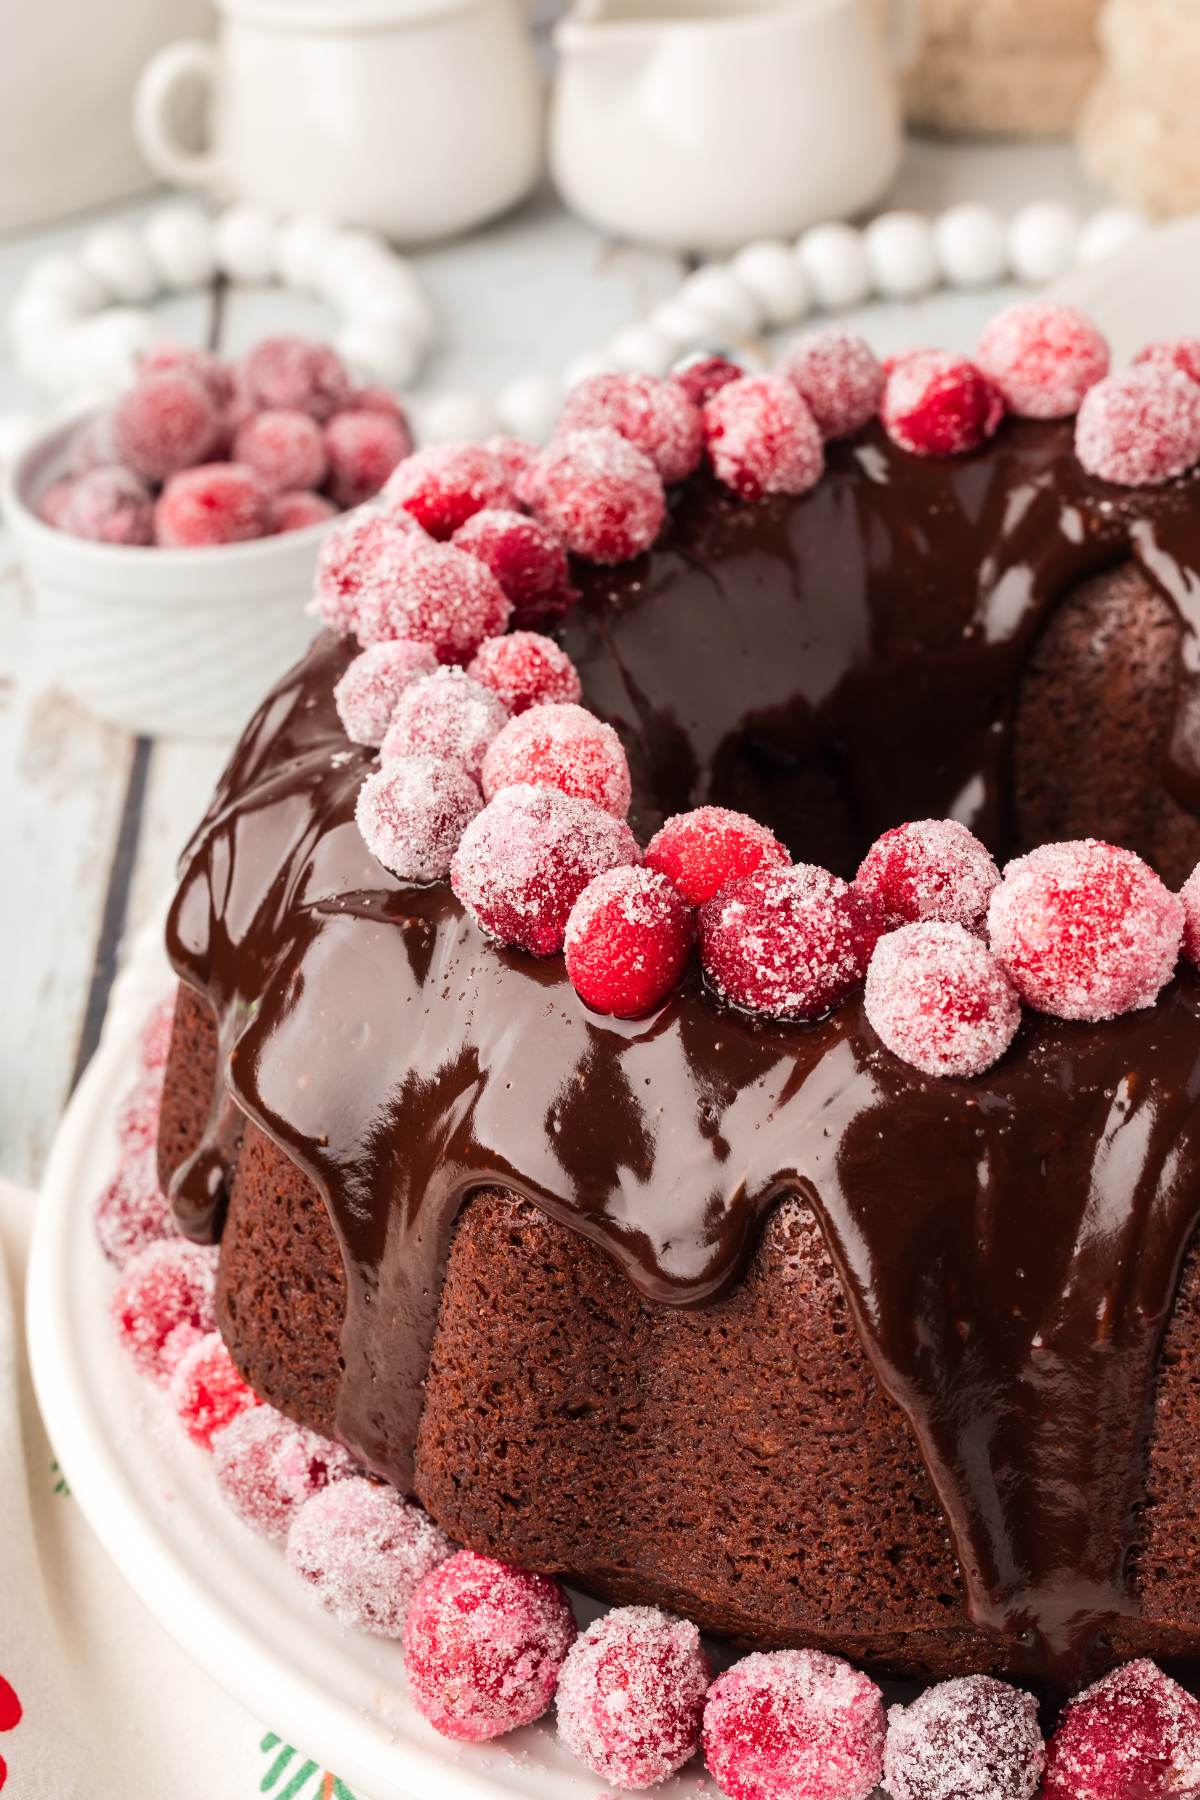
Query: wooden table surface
{"points": [[93, 818]]}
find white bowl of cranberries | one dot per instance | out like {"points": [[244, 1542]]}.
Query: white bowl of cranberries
{"points": [[170, 540]]}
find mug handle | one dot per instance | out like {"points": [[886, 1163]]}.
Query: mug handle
{"points": [[192, 61], [904, 32]]}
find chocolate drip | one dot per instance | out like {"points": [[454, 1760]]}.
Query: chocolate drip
{"points": [[1010, 1247]]}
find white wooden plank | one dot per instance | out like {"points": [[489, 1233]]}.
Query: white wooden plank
{"points": [[181, 780], [64, 778]]}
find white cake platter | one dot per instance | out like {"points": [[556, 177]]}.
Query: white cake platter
{"points": [[226, 1596], [1151, 290]]}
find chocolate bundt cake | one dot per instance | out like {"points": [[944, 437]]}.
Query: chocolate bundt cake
{"points": [[747, 1318]]}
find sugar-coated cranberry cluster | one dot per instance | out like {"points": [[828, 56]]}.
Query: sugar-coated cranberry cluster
{"points": [[203, 451], [489, 1648], [492, 772], [493, 776]]}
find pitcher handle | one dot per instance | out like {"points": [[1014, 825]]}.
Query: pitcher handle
{"points": [[189, 61], [905, 33]]}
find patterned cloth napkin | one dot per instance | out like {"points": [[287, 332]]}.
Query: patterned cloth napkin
{"points": [[96, 1701]]}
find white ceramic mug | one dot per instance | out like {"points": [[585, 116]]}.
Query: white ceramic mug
{"points": [[711, 122], [413, 118]]}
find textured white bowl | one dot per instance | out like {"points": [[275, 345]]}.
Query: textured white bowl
{"points": [[159, 641]]}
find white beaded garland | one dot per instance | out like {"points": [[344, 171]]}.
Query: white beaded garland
{"points": [[179, 240], [449, 417], [772, 272], [375, 289], [971, 246], [65, 340], [641, 349], [303, 245], [106, 348], [68, 280], [901, 255], [834, 262], [1041, 241], [1113, 228], [244, 241], [121, 263], [378, 351], [682, 324], [720, 298], [529, 405], [584, 366]]}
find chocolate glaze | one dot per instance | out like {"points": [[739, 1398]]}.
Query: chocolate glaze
{"points": [[1010, 1247]]}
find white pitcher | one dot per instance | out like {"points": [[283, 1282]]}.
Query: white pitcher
{"points": [[414, 118], [701, 124]]}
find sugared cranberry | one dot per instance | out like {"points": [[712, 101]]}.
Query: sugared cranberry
{"points": [[164, 423], [358, 569], [969, 1739], [297, 511], [132, 1210], [528, 561], [92, 445], [445, 714], [364, 1549], [368, 693], [377, 400], [216, 503], [363, 447], [562, 746], [266, 1467], [109, 506], [440, 596], [164, 1302], [55, 500], [483, 1645], [786, 1723], [701, 851], [138, 1113], [285, 449], [1182, 353], [703, 376], [526, 669], [523, 863], [1135, 1735], [154, 1039], [762, 439], [412, 815], [631, 1696], [838, 376], [515, 456], [296, 374], [940, 1000], [1043, 357], [211, 370], [599, 494], [446, 484], [1189, 895], [937, 404], [1140, 428], [929, 869], [627, 942], [206, 1390], [790, 943], [655, 415], [1086, 930]]}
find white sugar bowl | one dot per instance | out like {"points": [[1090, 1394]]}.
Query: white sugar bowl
{"points": [[172, 642], [703, 124], [413, 118]]}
